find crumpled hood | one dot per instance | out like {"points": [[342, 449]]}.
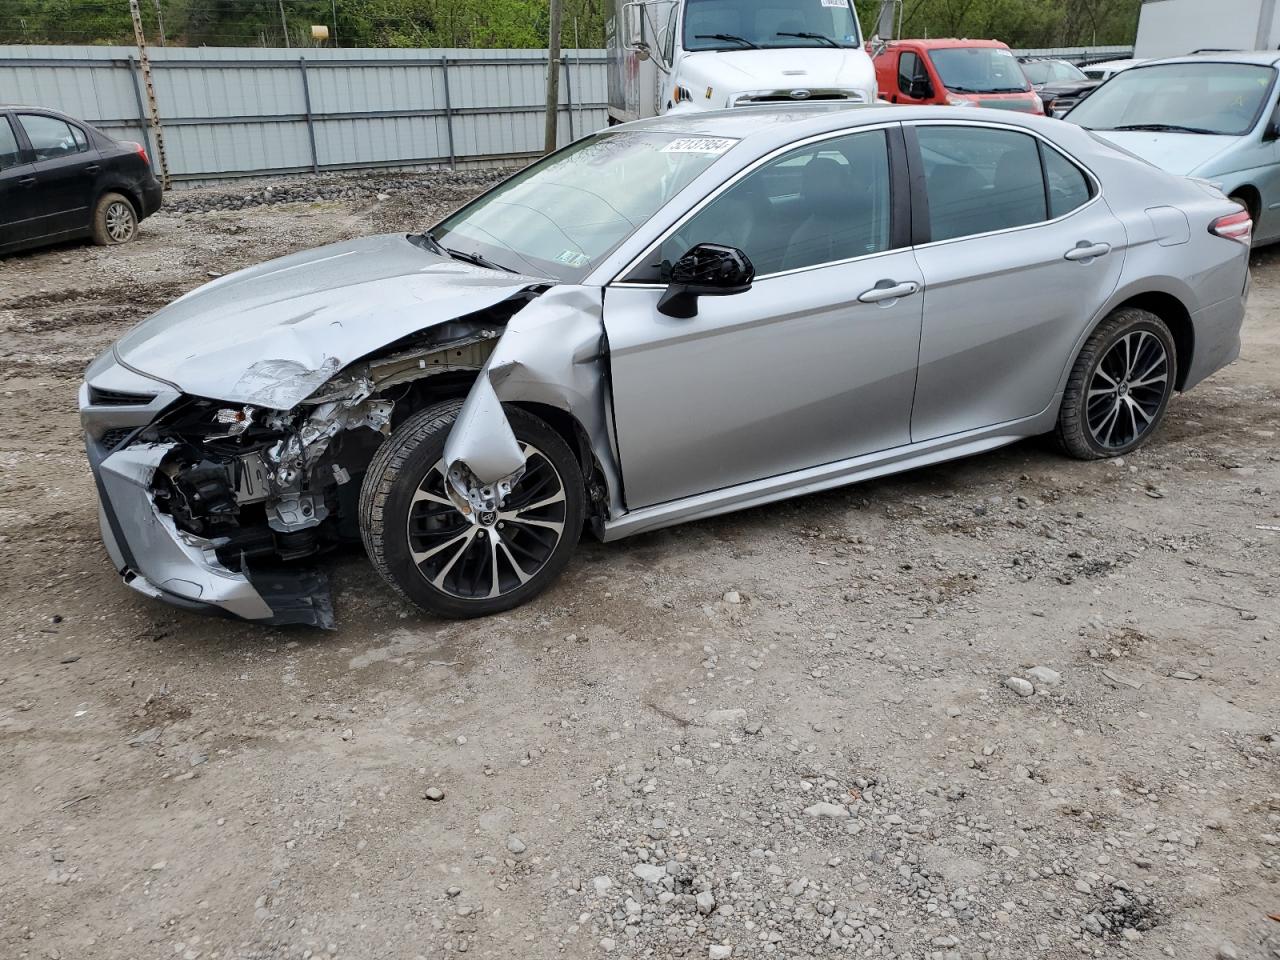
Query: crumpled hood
{"points": [[272, 334], [740, 71], [1180, 153]]}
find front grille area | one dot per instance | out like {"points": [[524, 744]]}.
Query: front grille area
{"points": [[113, 438], [116, 398], [1023, 105], [785, 96]]}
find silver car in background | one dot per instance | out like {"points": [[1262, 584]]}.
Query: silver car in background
{"points": [[1212, 116], [668, 320]]}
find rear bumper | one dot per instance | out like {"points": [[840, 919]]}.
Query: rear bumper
{"points": [[1217, 333], [152, 196]]}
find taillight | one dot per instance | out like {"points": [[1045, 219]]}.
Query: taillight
{"points": [[142, 151], [1234, 226]]}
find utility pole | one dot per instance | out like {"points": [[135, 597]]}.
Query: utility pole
{"points": [[153, 110], [553, 75], [284, 24], [334, 5], [160, 22]]}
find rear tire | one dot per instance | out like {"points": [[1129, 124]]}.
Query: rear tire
{"points": [[115, 220], [1120, 386], [439, 559]]}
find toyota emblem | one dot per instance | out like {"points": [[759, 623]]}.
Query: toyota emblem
{"points": [[799, 94]]}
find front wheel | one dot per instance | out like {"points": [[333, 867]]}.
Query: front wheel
{"points": [[1120, 386], [457, 566]]}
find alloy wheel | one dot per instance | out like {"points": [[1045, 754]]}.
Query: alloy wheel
{"points": [[120, 221], [1127, 390], [489, 554]]}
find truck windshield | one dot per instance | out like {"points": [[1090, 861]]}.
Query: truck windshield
{"points": [[1207, 98], [978, 70], [559, 217], [743, 24]]}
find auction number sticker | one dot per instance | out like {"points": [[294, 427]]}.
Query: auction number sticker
{"points": [[573, 258], [835, 3], [711, 145]]}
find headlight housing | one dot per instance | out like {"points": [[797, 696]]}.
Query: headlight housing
{"points": [[956, 101]]}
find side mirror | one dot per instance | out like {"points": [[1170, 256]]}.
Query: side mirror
{"points": [[706, 270], [921, 89], [633, 27], [1272, 129]]}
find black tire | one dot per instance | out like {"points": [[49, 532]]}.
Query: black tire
{"points": [[115, 220], [1089, 399], [392, 523]]}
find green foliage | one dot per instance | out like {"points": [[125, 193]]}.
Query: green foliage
{"points": [[508, 23]]}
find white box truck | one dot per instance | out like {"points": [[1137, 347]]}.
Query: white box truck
{"points": [[1175, 28], [685, 55]]}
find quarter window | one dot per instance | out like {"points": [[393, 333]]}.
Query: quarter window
{"points": [[50, 137], [821, 203], [979, 180], [10, 156], [1068, 186]]}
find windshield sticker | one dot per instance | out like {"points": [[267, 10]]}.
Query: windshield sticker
{"points": [[572, 258], [835, 3], [712, 145]]}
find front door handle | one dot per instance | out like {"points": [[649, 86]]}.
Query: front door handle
{"points": [[27, 182], [889, 290], [92, 168], [1087, 251]]}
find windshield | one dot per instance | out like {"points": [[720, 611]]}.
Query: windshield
{"points": [[1051, 71], [744, 24], [561, 215], [1210, 98], [978, 70]]}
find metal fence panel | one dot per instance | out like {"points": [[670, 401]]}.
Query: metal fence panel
{"points": [[248, 111]]}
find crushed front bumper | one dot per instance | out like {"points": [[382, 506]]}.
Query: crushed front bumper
{"points": [[152, 554]]}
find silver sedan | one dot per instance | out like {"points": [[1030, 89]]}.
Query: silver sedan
{"points": [[664, 321]]}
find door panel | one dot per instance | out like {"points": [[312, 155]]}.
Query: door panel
{"points": [[1002, 311], [17, 180], [66, 172], [794, 373]]}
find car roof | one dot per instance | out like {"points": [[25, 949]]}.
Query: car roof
{"points": [[786, 122], [1267, 58], [945, 42]]}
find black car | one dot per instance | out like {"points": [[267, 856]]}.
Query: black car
{"points": [[61, 178], [1061, 85]]}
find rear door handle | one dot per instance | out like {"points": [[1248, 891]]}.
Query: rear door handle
{"points": [[27, 182], [92, 168], [889, 290], [1088, 251]]}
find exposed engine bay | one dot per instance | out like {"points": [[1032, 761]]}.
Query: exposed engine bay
{"points": [[264, 486]]}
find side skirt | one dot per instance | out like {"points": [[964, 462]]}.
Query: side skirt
{"points": [[830, 475]]}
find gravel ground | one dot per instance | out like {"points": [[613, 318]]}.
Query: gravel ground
{"points": [[1011, 707]]}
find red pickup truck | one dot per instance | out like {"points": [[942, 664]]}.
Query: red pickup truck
{"points": [[962, 73]]}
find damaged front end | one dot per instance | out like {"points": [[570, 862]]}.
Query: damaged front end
{"points": [[210, 505]]}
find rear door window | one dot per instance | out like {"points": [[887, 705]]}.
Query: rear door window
{"points": [[980, 179], [10, 155], [50, 137]]}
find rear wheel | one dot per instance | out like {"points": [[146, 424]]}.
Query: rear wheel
{"points": [[461, 566], [1120, 386], [114, 220]]}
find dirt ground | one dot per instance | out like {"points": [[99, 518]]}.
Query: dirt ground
{"points": [[779, 733]]}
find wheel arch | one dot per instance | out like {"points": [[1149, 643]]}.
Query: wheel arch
{"points": [[135, 200], [1252, 198], [1176, 317]]}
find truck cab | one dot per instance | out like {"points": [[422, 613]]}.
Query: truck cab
{"points": [[687, 55], [959, 73]]}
